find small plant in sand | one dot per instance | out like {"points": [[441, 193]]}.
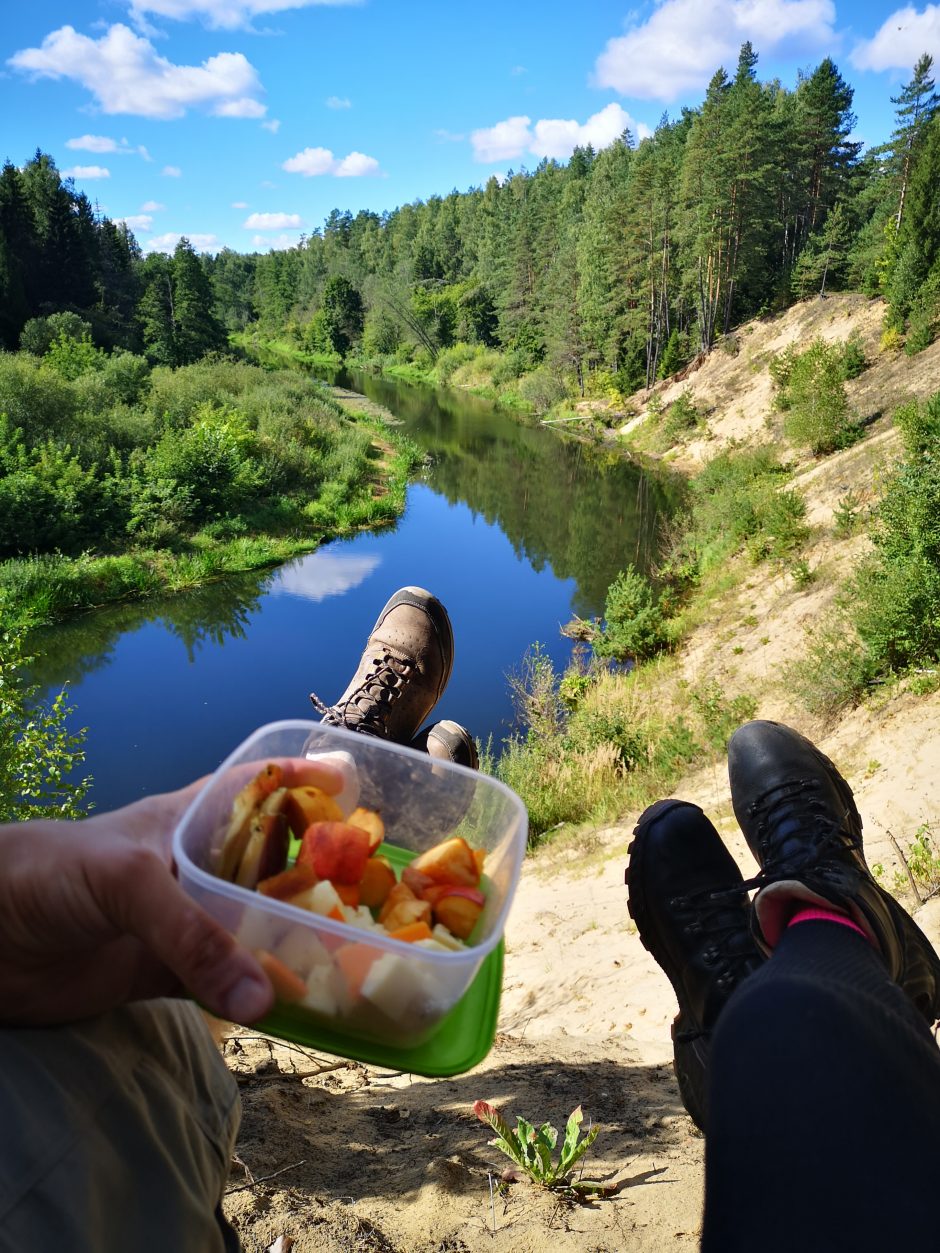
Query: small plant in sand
{"points": [[532, 1149]]}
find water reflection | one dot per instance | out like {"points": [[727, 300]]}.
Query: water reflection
{"points": [[323, 574]]}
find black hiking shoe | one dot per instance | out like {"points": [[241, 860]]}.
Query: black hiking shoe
{"points": [[687, 898], [402, 674], [448, 741], [800, 820]]}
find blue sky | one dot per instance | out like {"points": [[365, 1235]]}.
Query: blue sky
{"points": [[243, 122]]}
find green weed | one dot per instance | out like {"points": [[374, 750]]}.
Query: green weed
{"points": [[533, 1149]]}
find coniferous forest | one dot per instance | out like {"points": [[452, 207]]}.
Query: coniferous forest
{"points": [[631, 260]]}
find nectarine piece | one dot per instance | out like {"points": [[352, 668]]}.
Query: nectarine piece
{"points": [[377, 881], [304, 805], [459, 911], [399, 892], [405, 912], [368, 820], [288, 883], [244, 807], [335, 850], [451, 861], [266, 851]]}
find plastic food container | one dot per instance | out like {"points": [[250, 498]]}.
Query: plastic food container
{"points": [[415, 1009]]}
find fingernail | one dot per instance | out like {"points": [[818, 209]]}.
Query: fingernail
{"points": [[248, 999]]}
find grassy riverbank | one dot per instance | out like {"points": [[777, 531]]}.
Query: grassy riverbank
{"points": [[118, 481]]}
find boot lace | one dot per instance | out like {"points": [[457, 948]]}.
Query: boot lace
{"points": [[366, 708], [728, 949]]}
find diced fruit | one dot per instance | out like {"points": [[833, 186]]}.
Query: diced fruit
{"points": [[238, 832], [266, 851], [445, 939], [406, 912], [459, 910], [411, 933], [355, 961], [304, 805], [415, 879], [452, 861], [336, 913], [287, 986], [320, 995], [348, 893], [479, 856], [320, 899], [400, 892], [300, 950], [377, 881], [393, 984], [368, 820], [289, 883], [335, 850], [433, 892]]}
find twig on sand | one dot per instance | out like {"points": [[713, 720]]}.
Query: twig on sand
{"points": [[243, 1187], [906, 864]]}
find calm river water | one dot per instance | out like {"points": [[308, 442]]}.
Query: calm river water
{"points": [[510, 524]]}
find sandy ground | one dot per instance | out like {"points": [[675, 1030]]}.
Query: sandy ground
{"points": [[376, 1161]]}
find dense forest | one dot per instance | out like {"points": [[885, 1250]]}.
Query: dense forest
{"points": [[630, 261]]}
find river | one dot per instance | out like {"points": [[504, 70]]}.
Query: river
{"points": [[511, 524]]}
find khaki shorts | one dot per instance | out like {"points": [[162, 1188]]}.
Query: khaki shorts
{"points": [[116, 1134]]}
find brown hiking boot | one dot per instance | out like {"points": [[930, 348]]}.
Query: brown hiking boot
{"points": [[403, 671], [448, 741]]}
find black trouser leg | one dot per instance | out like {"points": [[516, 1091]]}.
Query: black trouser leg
{"points": [[824, 1114]]}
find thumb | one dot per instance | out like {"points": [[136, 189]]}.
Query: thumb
{"points": [[142, 899]]}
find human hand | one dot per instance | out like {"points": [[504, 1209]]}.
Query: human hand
{"points": [[91, 916]]}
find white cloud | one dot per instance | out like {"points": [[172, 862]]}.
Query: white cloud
{"points": [[273, 222], [273, 125], [100, 144], [239, 204], [125, 75], [276, 243], [166, 243], [448, 137], [171, 171], [87, 171], [678, 48], [138, 222], [324, 574], [221, 14], [503, 141], [338, 102], [900, 40], [313, 161], [152, 206], [357, 165], [552, 137]]}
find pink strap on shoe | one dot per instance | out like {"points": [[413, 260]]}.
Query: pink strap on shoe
{"points": [[812, 914]]}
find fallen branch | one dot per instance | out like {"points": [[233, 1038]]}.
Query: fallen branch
{"points": [[907, 868], [244, 1187]]}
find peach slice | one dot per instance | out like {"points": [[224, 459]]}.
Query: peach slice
{"points": [[377, 881], [451, 861], [266, 851], [417, 881], [238, 832], [459, 910], [288, 883], [335, 850], [399, 892], [304, 805], [368, 820], [411, 933], [405, 912], [348, 893]]}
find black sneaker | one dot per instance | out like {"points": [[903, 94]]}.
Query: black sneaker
{"points": [[687, 898], [800, 820], [403, 671], [448, 741]]}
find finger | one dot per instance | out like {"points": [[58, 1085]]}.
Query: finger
{"points": [[141, 898]]}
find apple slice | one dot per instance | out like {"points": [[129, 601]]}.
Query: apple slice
{"points": [[405, 912], [451, 861], [288, 883], [377, 881], [238, 831], [459, 910], [368, 820], [266, 851], [305, 805], [335, 850]]}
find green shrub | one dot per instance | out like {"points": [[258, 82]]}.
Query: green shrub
{"points": [[450, 359], [541, 389], [37, 401], [682, 416], [835, 669], [71, 358], [634, 626], [854, 361], [818, 411], [39, 334]]}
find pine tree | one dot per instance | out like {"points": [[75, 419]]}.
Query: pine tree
{"points": [[18, 245], [196, 330], [916, 106]]}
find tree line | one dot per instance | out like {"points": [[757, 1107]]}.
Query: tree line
{"points": [[631, 260]]}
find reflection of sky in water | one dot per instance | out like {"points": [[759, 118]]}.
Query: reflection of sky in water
{"points": [[323, 574]]}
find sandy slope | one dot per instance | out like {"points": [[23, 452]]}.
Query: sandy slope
{"points": [[395, 1163]]}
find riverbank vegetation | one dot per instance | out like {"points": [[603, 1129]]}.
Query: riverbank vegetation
{"points": [[120, 479]]}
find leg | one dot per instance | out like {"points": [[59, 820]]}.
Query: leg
{"points": [[824, 1105], [118, 1134]]}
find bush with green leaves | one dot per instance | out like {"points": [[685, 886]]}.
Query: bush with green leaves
{"points": [[541, 389], [39, 334], [818, 414], [682, 416], [71, 358], [38, 751], [634, 626]]}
